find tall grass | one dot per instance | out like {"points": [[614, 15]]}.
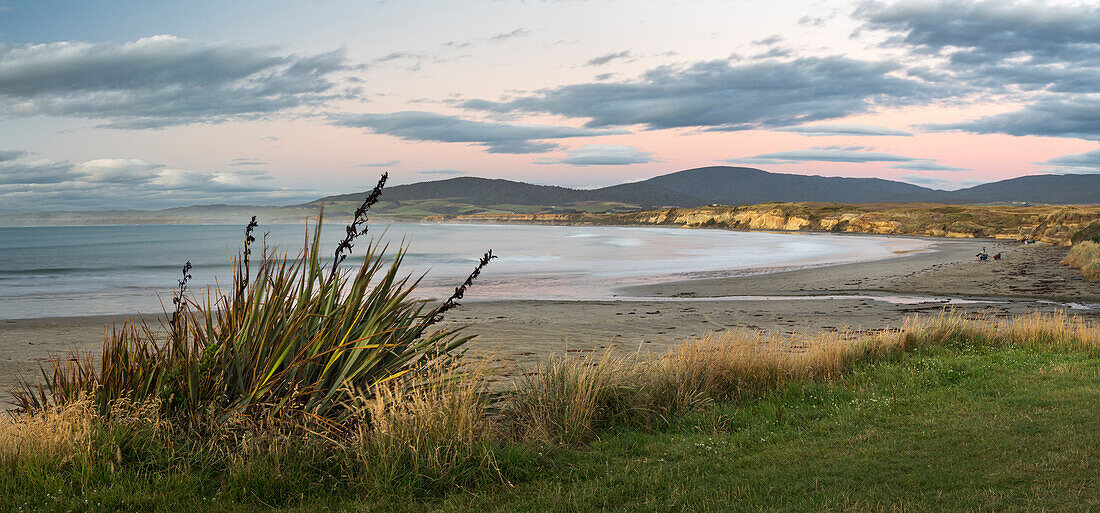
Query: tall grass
{"points": [[565, 401], [1056, 329], [50, 435], [439, 433], [1085, 255], [450, 431], [301, 343]]}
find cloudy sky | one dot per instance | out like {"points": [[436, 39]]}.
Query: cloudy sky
{"points": [[146, 104]]}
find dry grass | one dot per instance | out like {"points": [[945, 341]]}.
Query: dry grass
{"points": [[736, 365], [1085, 256], [69, 432], [56, 434], [566, 401], [1056, 329], [569, 400], [447, 429], [430, 430]]}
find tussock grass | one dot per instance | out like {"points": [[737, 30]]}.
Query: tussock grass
{"points": [[450, 432], [1085, 255], [569, 401], [57, 434], [565, 401], [439, 433], [1057, 329]]}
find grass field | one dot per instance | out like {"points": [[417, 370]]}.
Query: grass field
{"points": [[968, 417], [977, 429]]}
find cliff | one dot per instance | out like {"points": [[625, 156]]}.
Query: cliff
{"points": [[1049, 224]]}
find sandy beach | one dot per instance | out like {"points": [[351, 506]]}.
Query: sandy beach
{"points": [[653, 317]]}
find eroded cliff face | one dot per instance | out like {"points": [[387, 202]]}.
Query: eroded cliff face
{"points": [[1052, 225]]}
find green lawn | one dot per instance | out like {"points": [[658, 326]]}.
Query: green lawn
{"points": [[955, 430], [979, 429]]}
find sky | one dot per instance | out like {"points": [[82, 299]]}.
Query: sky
{"points": [[150, 104]]}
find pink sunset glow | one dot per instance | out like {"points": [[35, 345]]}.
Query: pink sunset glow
{"points": [[316, 101]]}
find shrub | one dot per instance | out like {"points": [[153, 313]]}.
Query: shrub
{"points": [[1090, 233], [302, 343]]}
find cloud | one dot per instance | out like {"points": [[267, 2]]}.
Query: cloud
{"points": [[719, 95], [774, 53], [495, 137], [496, 38], [937, 182], [602, 155], [813, 21], [822, 155], [504, 36], [245, 161], [927, 165], [388, 163], [768, 41], [1076, 117], [927, 181], [1077, 162], [6, 155], [161, 81], [990, 32], [129, 171], [36, 172], [396, 56], [608, 57], [126, 183], [1038, 53], [847, 130], [849, 154]]}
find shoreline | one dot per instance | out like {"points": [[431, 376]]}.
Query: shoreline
{"points": [[656, 316], [113, 295]]}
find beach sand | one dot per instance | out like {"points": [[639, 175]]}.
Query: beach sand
{"points": [[520, 332]]}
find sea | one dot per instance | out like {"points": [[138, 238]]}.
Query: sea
{"points": [[128, 269]]}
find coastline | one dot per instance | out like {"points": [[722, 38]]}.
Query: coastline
{"points": [[654, 317]]}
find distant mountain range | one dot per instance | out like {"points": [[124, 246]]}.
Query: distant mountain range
{"points": [[728, 185], [723, 185]]}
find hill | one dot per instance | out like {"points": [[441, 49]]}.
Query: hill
{"points": [[722, 185], [475, 191], [1048, 189], [745, 186], [726, 185], [486, 192]]}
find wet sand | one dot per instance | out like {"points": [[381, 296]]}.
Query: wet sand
{"points": [[519, 332]]}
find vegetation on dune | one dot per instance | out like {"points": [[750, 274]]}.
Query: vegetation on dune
{"points": [[1058, 225], [1085, 255], [734, 387], [1089, 233]]}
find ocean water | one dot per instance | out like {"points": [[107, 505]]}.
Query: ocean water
{"points": [[94, 270]]}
